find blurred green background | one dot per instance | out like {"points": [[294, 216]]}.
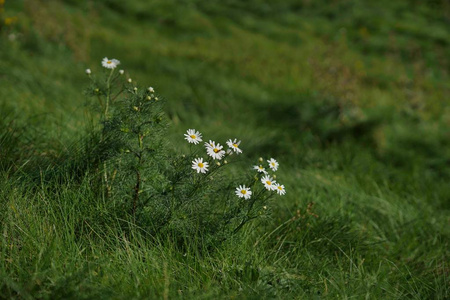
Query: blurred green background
{"points": [[352, 97]]}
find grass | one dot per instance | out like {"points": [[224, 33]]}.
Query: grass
{"points": [[351, 98]]}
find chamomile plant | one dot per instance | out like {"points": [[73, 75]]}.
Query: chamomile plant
{"points": [[165, 192]]}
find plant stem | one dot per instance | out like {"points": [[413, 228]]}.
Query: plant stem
{"points": [[136, 192], [108, 93], [105, 116], [138, 174]]}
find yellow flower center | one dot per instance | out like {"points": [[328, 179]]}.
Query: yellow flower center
{"points": [[235, 145], [193, 136], [109, 62], [243, 192], [216, 150], [273, 164], [269, 182], [200, 165], [280, 188]]}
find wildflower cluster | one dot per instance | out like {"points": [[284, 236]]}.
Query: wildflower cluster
{"points": [[165, 192], [215, 151]]}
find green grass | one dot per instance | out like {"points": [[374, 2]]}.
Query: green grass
{"points": [[352, 98]]}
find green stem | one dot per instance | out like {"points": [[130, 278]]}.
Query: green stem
{"points": [[100, 102], [137, 186], [136, 192], [108, 93], [108, 96]]}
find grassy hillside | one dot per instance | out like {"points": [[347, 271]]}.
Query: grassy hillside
{"points": [[351, 97]]}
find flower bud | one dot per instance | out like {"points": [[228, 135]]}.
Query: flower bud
{"points": [[261, 159], [129, 80], [135, 89], [151, 90], [121, 72], [225, 162], [149, 98], [218, 164], [88, 71]]}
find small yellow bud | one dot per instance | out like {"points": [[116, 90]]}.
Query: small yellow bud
{"points": [[97, 90], [129, 80], [261, 159], [149, 98], [135, 89], [225, 162], [218, 164], [135, 108], [274, 176], [265, 207], [156, 98]]}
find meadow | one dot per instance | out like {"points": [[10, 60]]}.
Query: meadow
{"points": [[352, 98]]}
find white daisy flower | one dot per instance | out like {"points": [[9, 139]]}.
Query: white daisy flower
{"points": [[243, 192], [273, 164], [110, 63], [268, 182], [151, 90], [88, 71], [121, 72], [260, 169], [199, 165], [234, 145], [193, 136], [280, 189], [214, 150]]}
